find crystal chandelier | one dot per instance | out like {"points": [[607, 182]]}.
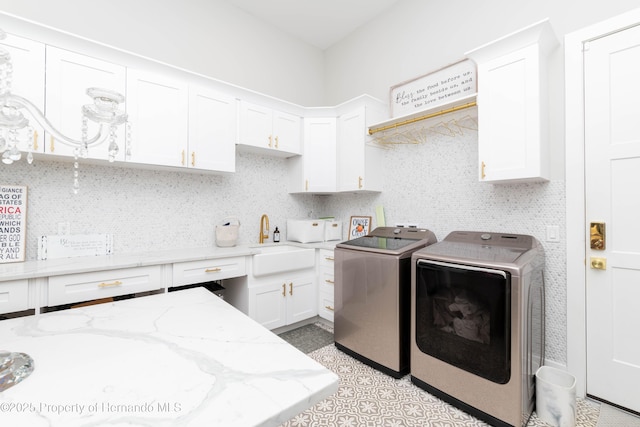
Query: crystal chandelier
{"points": [[15, 131]]}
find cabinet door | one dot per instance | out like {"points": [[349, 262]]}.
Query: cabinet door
{"points": [[212, 130], [358, 162], [319, 158], [287, 132], [301, 299], [14, 296], [27, 58], [68, 76], [267, 304], [158, 111], [351, 133], [513, 137], [256, 124]]}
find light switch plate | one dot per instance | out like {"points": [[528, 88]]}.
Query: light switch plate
{"points": [[553, 233]]}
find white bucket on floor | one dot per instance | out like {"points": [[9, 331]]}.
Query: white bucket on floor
{"points": [[556, 397]]}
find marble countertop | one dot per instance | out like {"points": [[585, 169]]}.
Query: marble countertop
{"points": [[56, 267], [183, 358]]}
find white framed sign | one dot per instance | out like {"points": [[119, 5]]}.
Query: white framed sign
{"points": [[13, 223], [440, 87]]}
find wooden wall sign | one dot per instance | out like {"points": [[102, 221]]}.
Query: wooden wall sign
{"points": [[13, 223], [437, 88]]}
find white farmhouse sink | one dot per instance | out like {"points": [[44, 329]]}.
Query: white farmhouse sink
{"points": [[282, 258]]}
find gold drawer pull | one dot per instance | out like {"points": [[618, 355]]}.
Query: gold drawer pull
{"points": [[329, 258], [329, 281], [291, 288], [110, 285], [328, 307], [284, 289], [212, 270]]}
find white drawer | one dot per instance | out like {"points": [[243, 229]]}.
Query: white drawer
{"points": [[14, 296], [326, 307], [103, 284], [326, 258], [326, 281], [192, 272]]}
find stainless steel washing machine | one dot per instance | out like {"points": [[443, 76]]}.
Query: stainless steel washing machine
{"points": [[477, 323], [372, 296]]}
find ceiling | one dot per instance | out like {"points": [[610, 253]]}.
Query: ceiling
{"points": [[320, 23]]}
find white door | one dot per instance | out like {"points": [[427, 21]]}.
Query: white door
{"points": [[612, 168], [320, 154], [212, 130], [68, 76], [158, 110]]}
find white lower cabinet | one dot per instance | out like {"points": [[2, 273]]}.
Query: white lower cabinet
{"points": [[14, 296], [192, 272], [326, 284], [283, 300], [70, 288]]}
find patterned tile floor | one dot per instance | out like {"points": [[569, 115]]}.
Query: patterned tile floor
{"points": [[367, 397]]}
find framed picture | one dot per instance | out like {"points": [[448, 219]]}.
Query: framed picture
{"points": [[359, 226], [13, 218]]}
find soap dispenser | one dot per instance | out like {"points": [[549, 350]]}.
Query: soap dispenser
{"points": [[276, 235]]}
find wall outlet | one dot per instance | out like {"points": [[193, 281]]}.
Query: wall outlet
{"points": [[64, 228]]}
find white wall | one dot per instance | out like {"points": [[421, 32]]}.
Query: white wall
{"points": [[203, 36]]}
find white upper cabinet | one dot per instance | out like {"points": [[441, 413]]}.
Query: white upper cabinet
{"points": [[513, 134], [359, 161], [212, 130], [28, 59], [68, 76], [158, 109], [269, 131], [315, 170]]}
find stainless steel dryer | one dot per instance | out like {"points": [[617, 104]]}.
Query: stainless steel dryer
{"points": [[372, 296], [477, 323]]}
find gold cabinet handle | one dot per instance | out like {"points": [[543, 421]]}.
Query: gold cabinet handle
{"points": [[329, 258], [328, 307], [306, 185], [290, 288], [110, 285], [331, 282], [482, 174], [276, 142], [213, 270], [284, 289], [193, 158], [182, 161], [270, 141], [359, 182], [35, 140], [52, 144]]}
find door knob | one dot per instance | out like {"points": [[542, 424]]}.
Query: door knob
{"points": [[598, 263]]}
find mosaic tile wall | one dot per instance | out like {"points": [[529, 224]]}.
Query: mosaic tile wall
{"points": [[155, 210], [433, 183]]}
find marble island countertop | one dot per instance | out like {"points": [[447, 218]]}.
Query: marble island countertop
{"points": [[183, 358]]}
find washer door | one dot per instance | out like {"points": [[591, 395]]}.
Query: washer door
{"points": [[463, 317]]}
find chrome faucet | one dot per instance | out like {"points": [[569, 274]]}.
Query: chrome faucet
{"points": [[264, 228]]}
